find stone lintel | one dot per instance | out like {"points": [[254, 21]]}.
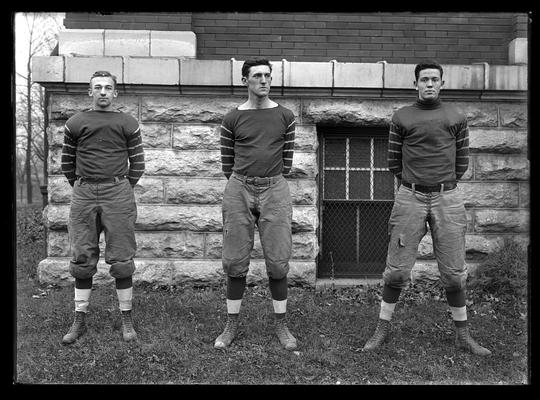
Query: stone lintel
{"points": [[121, 42], [317, 77]]}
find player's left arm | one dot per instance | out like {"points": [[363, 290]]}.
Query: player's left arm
{"points": [[135, 156], [462, 149], [288, 146]]}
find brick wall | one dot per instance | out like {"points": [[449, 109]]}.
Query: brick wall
{"points": [[451, 38]]}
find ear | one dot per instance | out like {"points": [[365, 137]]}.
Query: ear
{"points": [[90, 92], [115, 93], [244, 81], [442, 84], [415, 83]]}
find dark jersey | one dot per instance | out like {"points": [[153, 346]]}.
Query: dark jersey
{"points": [[258, 142], [99, 144], [428, 143]]}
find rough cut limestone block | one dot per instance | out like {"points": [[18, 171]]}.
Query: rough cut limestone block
{"points": [[149, 190], [48, 69], [469, 174], [196, 137], [184, 190], [306, 138], [304, 246], [504, 221], [184, 244], [304, 165], [186, 163], [186, 109], [514, 115], [292, 104], [175, 244], [476, 245], [156, 135], [58, 244], [303, 191], [507, 141], [191, 218], [347, 112], [428, 270], [524, 194], [195, 163], [210, 191], [174, 271], [479, 114], [87, 42], [59, 190], [492, 194], [64, 106], [55, 134], [206, 137], [208, 163], [54, 166], [196, 218], [170, 244], [195, 190], [502, 167], [484, 244], [379, 112], [198, 109]]}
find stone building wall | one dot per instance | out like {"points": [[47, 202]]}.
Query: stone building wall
{"points": [[180, 104]]}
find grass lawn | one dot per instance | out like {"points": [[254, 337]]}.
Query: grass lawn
{"points": [[177, 327]]}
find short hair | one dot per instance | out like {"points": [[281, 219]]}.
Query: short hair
{"points": [[253, 62], [425, 65], [103, 73]]}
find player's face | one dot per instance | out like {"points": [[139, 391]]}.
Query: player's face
{"points": [[103, 92], [429, 84], [258, 80]]}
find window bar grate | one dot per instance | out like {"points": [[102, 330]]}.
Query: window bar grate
{"points": [[347, 168]]}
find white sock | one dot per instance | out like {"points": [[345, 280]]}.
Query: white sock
{"points": [[280, 306], [387, 310], [233, 306], [125, 297], [459, 313], [82, 297]]}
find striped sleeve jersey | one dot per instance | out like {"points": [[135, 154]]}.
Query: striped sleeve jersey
{"points": [[102, 144], [428, 143], [258, 142]]}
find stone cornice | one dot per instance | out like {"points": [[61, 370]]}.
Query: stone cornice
{"points": [[180, 75]]}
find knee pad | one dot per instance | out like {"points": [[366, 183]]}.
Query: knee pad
{"points": [[123, 269], [82, 272], [235, 268], [277, 269], [397, 279], [455, 283]]}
